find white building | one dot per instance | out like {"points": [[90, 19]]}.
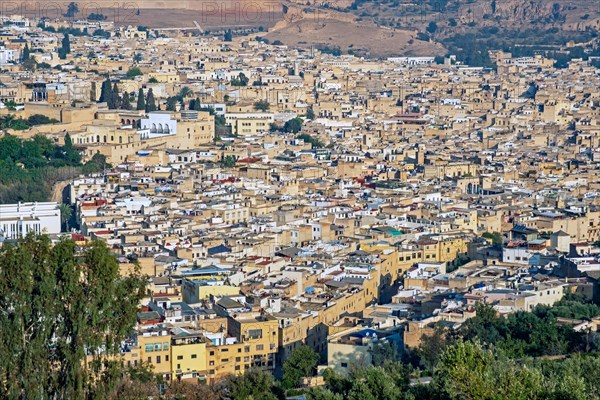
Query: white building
{"points": [[7, 56], [17, 220], [158, 124]]}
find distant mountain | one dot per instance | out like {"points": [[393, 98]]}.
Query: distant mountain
{"points": [[559, 28]]}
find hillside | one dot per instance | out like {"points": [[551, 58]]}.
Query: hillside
{"points": [[468, 28]]}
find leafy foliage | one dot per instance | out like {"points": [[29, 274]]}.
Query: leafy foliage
{"points": [[299, 364], [63, 315], [29, 167], [293, 125]]}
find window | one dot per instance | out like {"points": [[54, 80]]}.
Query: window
{"points": [[255, 333], [158, 359], [259, 347], [180, 357], [344, 365], [194, 356], [212, 353], [166, 346], [149, 359]]}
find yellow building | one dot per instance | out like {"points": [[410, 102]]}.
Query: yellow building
{"points": [[188, 355], [249, 124]]}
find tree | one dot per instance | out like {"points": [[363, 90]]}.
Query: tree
{"points": [[133, 72], [254, 384], [172, 103], [495, 237], [240, 80], [114, 100], [141, 103], [432, 27], [184, 92], [383, 351], [65, 215], [261, 105], [72, 9], [25, 54], [72, 156], [228, 37], [310, 114], [97, 17], [463, 372], [105, 91], [228, 161], [150, 101], [137, 57], [61, 329], [126, 102], [431, 348], [30, 64], [65, 47], [315, 143], [197, 105], [301, 363], [293, 125]]}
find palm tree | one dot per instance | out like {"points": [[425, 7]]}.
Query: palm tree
{"points": [[7, 121], [65, 215], [185, 92]]}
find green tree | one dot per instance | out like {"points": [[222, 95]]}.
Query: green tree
{"points": [[172, 103], [301, 363], [150, 101], [383, 351], [315, 143], [72, 9], [228, 161], [65, 215], [114, 100], [30, 64], [105, 91], [310, 114], [64, 317], [432, 346], [228, 37], [254, 384], [197, 104], [133, 72], [184, 93], [72, 156], [432, 27], [293, 125], [126, 102], [495, 237], [240, 80], [141, 102], [26, 53], [261, 105], [65, 47]]}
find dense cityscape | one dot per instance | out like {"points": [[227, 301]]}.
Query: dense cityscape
{"points": [[210, 214]]}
